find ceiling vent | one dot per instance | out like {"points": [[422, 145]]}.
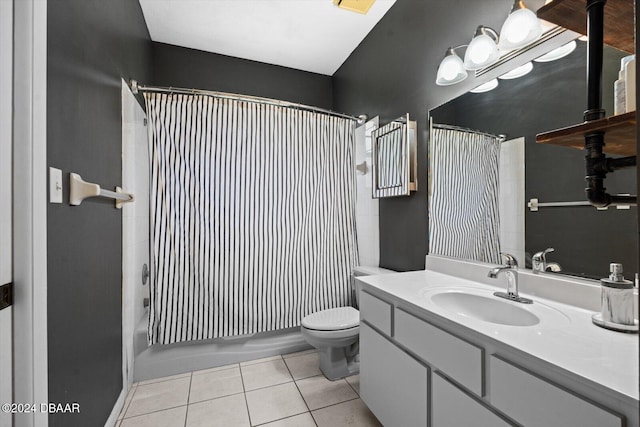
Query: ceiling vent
{"points": [[360, 6]]}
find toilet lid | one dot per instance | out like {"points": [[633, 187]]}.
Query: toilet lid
{"points": [[333, 319]]}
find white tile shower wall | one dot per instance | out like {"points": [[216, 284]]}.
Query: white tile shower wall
{"points": [[367, 216], [135, 222], [511, 198]]}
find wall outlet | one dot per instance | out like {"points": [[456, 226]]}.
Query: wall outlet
{"points": [[55, 185]]}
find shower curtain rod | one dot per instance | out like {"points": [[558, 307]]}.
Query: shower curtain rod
{"points": [[501, 137], [137, 88]]}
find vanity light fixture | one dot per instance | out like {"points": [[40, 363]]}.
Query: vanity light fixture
{"points": [[486, 87], [521, 28], [482, 50], [558, 53], [451, 69], [518, 71]]}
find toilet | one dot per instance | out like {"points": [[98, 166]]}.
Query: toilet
{"points": [[335, 332]]}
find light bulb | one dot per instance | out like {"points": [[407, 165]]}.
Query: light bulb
{"points": [[486, 87], [558, 53], [482, 51], [517, 72], [450, 70], [518, 29], [521, 28]]}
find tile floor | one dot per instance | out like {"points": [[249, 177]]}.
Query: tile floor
{"points": [[279, 391]]}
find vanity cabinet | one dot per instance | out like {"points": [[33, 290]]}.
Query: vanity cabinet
{"points": [[513, 390], [452, 407], [395, 384], [418, 370], [456, 358]]}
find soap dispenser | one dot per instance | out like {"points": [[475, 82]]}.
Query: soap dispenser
{"points": [[617, 298]]}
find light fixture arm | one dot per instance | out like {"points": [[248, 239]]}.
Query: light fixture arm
{"points": [[452, 50], [488, 31], [518, 4]]}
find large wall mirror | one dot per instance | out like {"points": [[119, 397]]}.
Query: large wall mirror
{"points": [[552, 95]]}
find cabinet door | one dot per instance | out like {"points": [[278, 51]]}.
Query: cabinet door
{"points": [[458, 359], [536, 402], [392, 383], [453, 408]]}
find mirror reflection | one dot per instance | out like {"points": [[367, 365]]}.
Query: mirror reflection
{"points": [[552, 95], [389, 159], [394, 158]]}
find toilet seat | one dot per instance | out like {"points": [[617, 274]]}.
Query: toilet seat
{"points": [[333, 319], [331, 338]]}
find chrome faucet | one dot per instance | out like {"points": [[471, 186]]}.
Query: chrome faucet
{"points": [[539, 262], [510, 269]]}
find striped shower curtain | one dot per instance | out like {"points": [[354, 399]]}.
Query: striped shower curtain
{"points": [[252, 216], [391, 161], [463, 206]]}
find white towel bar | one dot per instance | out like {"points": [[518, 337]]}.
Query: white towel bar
{"points": [[534, 204], [80, 190]]}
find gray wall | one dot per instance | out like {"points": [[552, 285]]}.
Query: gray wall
{"points": [[91, 44], [393, 72], [189, 68]]}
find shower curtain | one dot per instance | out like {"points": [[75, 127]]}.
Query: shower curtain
{"points": [[463, 209], [252, 216]]}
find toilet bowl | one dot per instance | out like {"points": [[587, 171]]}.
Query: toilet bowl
{"points": [[335, 332]]}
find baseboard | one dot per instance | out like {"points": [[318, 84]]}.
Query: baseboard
{"points": [[117, 408]]}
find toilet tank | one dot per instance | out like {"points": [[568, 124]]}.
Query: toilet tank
{"points": [[363, 270]]}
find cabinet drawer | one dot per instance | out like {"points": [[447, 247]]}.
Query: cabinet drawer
{"points": [[456, 358], [376, 312], [533, 401], [451, 407], [392, 383]]}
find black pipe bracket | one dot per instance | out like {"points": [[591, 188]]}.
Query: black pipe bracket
{"points": [[597, 165]]}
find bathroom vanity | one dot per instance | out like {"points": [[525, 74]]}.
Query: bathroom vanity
{"points": [[438, 349]]}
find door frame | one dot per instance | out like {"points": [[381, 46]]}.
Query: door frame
{"points": [[6, 270], [30, 208]]}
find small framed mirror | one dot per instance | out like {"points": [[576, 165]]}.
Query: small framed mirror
{"points": [[395, 159]]}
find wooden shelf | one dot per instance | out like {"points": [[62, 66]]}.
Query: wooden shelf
{"points": [[618, 20], [620, 134]]}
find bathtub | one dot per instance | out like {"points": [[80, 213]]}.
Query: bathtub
{"points": [[158, 360]]}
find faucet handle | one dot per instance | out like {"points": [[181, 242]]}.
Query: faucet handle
{"points": [[539, 260], [541, 255], [510, 260]]}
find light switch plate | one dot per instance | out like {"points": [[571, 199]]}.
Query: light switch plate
{"points": [[55, 185]]}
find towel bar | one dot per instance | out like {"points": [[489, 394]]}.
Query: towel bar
{"points": [[534, 204], [81, 189]]}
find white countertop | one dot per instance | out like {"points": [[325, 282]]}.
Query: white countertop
{"points": [[574, 344]]}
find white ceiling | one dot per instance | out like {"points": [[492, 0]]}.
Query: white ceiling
{"points": [[309, 35]]}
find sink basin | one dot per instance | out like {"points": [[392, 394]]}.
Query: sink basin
{"points": [[487, 308]]}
